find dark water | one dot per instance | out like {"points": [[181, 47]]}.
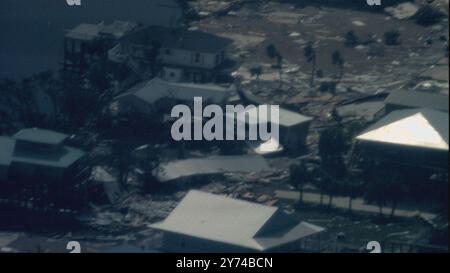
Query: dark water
{"points": [[31, 37]]}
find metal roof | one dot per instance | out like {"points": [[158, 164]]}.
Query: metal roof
{"points": [[418, 99], [175, 38], [85, 32], [156, 89], [425, 128], [235, 222], [6, 150], [211, 165], [286, 118], [42, 136], [60, 157]]}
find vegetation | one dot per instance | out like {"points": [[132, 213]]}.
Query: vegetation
{"points": [[392, 38], [351, 40], [273, 53], [299, 177], [310, 54]]}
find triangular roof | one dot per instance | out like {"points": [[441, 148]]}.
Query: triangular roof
{"points": [[235, 222], [423, 128]]}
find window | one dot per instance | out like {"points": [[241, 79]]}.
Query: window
{"points": [[197, 58]]}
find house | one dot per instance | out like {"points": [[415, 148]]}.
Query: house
{"points": [[185, 55], [417, 137], [293, 127], [39, 157], [402, 99], [142, 97], [367, 108], [88, 42], [190, 170], [204, 222]]}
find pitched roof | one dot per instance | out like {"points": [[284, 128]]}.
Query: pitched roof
{"points": [[176, 38], [211, 165], [42, 136], [156, 89], [424, 128], [418, 99], [61, 157], [7, 148], [235, 222], [89, 32], [85, 32]]}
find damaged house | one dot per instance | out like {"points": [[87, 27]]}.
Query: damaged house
{"points": [[185, 55], [38, 161], [142, 97], [204, 222], [87, 43], [196, 170]]}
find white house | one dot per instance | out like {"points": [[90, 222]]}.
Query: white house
{"points": [[204, 222], [185, 55]]}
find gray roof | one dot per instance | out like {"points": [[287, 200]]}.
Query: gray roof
{"points": [[418, 99], [155, 89], [211, 165], [424, 128], [234, 222], [61, 157], [85, 32], [42, 136], [7, 148], [89, 32], [179, 39], [286, 118]]}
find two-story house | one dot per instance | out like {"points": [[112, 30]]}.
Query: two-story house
{"points": [[185, 55], [35, 164]]}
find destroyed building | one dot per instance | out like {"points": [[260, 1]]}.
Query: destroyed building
{"points": [[87, 43], [190, 171], [142, 97], [205, 222], [185, 55], [38, 161]]}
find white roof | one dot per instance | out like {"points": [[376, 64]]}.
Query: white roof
{"points": [[423, 128], [235, 222], [156, 89], [286, 118], [211, 165]]}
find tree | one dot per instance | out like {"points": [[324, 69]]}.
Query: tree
{"points": [[256, 71], [392, 38], [273, 53], [338, 60], [351, 187], [299, 176], [332, 147], [351, 40], [310, 54], [428, 15]]}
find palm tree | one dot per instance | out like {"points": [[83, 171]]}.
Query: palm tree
{"points": [[273, 53], [310, 54], [337, 59], [299, 177]]}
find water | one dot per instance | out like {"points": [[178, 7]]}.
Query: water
{"points": [[31, 38]]}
